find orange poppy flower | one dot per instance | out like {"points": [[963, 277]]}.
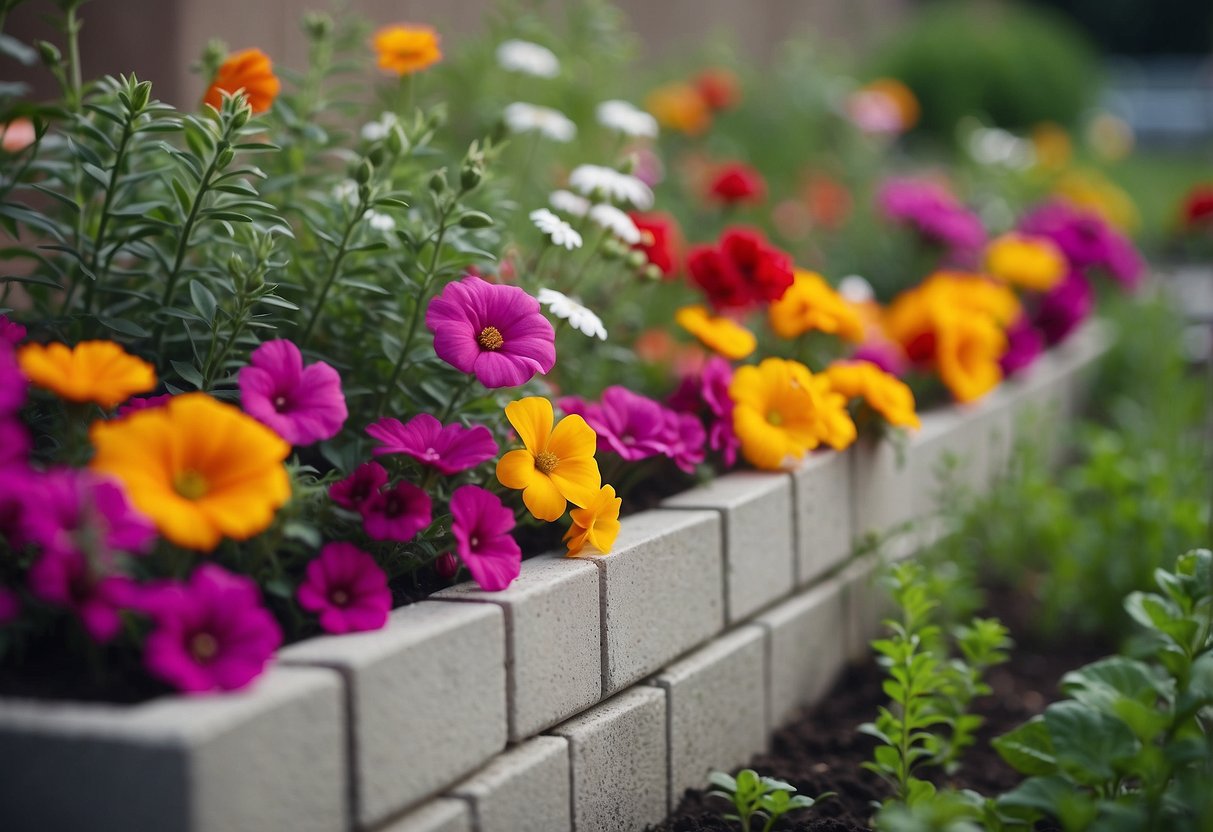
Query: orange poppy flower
{"points": [[403, 49], [250, 70], [722, 335], [92, 371], [680, 107], [557, 466], [597, 524]]}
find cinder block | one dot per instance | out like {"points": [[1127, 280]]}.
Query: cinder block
{"points": [[553, 640], [441, 815], [427, 698], [662, 592], [524, 788], [821, 486], [716, 700], [807, 648], [272, 757], [867, 605], [882, 493], [617, 751]]}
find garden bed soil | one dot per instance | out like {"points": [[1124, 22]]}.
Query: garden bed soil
{"points": [[822, 750]]}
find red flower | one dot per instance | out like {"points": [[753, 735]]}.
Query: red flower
{"points": [[660, 240], [1198, 207], [742, 270], [737, 182], [719, 87]]}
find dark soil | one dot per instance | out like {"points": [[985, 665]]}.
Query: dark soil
{"points": [[821, 751]]}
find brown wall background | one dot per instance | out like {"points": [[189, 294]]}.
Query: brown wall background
{"points": [[159, 39]]}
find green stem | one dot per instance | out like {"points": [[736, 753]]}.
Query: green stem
{"points": [[75, 77], [334, 270], [110, 190], [593, 254]]}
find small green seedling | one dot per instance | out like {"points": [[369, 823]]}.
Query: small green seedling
{"points": [[762, 797]]}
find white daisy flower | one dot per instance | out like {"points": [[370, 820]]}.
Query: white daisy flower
{"points": [[570, 203], [374, 131], [528, 58], [521, 117], [627, 118], [380, 222], [580, 318], [346, 191], [615, 221], [619, 187], [856, 289], [557, 230]]}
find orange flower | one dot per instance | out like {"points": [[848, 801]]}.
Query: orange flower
{"points": [[249, 70], [597, 524], [92, 371], [967, 352], [722, 335], [557, 465], [1032, 263], [811, 303], [883, 392], [404, 49], [679, 107], [900, 96], [199, 468]]}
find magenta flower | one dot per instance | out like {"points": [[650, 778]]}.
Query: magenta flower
{"points": [[1086, 240], [934, 213], [356, 489], [449, 449], [13, 384], [482, 526], [10, 606], [396, 513], [347, 588], [16, 483], [14, 444], [1024, 346], [137, 403], [627, 423], [714, 383], [685, 439], [65, 578], [11, 331], [496, 332], [77, 512], [211, 634], [1064, 307], [884, 354], [302, 404]]}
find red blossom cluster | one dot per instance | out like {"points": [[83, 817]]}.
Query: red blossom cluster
{"points": [[741, 270]]}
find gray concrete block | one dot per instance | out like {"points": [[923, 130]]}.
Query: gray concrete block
{"points": [[553, 640], [662, 592], [427, 698], [867, 605], [442, 815], [272, 757], [821, 486], [756, 508], [527, 788], [807, 648], [716, 701], [617, 751]]}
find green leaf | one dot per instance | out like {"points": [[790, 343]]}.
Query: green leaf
{"points": [[1087, 743], [1044, 794], [189, 373], [1028, 749], [10, 47], [124, 326], [723, 781], [1104, 682], [204, 300]]}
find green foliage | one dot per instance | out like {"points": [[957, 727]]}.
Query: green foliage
{"points": [[759, 797]]}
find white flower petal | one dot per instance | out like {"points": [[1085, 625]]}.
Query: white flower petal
{"points": [[615, 221], [528, 58], [617, 186], [556, 229], [626, 118], [521, 117], [570, 203], [578, 316]]}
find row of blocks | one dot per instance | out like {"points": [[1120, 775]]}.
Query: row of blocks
{"points": [[354, 730]]}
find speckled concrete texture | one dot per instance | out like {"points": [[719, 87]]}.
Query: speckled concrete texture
{"points": [[527, 788]]}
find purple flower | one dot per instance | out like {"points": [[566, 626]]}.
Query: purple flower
{"points": [[627, 423], [356, 489], [14, 444], [1024, 346], [211, 634], [10, 606], [1086, 240], [13, 384], [16, 483], [137, 403], [449, 449], [11, 331], [685, 439], [396, 513], [934, 213], [708, 391], [66, 578], [1064, 307], [302, 404], [77, 512], [482, 525], [496, 332], [347, 588], [884, 354]]}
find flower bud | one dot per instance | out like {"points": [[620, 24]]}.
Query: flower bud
{"points": [[471, 174], [364, 172], [628, 164], [243, 113], [636, 259], [50, 54], [438, 181], [612, 249], [140, 95], [397, 141], [446, 565], [376, 155], [225, 156], [475, 219], [651, 272], [318, 25]]}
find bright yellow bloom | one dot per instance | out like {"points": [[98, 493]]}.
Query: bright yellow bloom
{"points": [[883, 392], [721, 335], [834, 423], [680, 107], [250, 71], [912, 319], [556, 466], [967, 352], [92, 371], [597, 524], [1032, 263], [780, 413], [406, 49], [811, 303], [201, 470]]}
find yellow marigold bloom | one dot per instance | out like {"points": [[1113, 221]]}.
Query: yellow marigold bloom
{"points": [[249, 70], [967, 351], [811, 303], [883, 392], [200, 469], [597, 524], [730, 339], [1032, 263], [680, 107], [91, 371], [406, 49], [778, 412], [557, 465]]}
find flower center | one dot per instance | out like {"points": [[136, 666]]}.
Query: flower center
{"points": [[545, 462], [474, 542], [203, 646], [191, 485], [490, 339], [339, 597], [775, 418], [280, 403]]}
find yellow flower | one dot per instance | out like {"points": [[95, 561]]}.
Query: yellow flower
{"points": [[780, 413], [811, 303], [722, 335], [406, 49], [200, 469], [556, 465], [834, 423], [1053, 146], [883, 392], [92, 371], [597, 524], [680, 107], [967, 352], [1032, 263]]}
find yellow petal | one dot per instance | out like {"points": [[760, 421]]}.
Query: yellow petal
{"points": [[573, 438], [517, 469], [543, 500], [532, 418], [578, 480]]}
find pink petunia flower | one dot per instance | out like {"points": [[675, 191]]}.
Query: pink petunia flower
{"points": [[627, 423], [396, 513], [1024, 346], [359, 487], [482, 526], [496, 332], [211, 634], [66, 578], [348, 590], [685, 439], [78, 512], [709, 389], [1064, 307], [1087, 241], [302, 404], [137, 403], [14, 444], [932, 211], [11, 331], [13, 384], [449, 449]]}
